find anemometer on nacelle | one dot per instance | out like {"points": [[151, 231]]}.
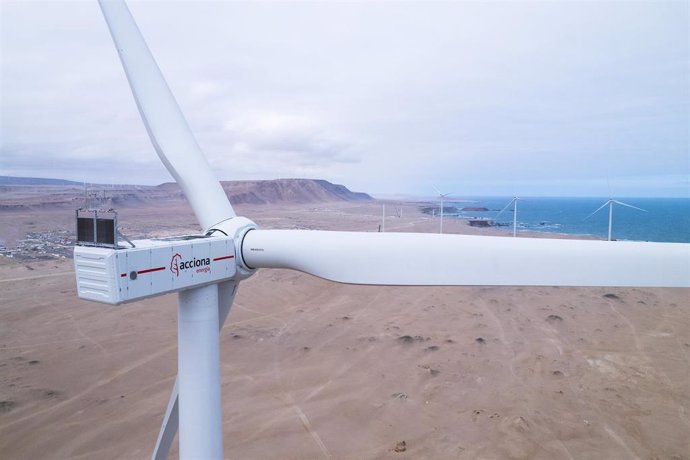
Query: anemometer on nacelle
{"points": [[112, 273]]}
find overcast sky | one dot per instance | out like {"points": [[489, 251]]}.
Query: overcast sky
{"points": [[476, 98]]}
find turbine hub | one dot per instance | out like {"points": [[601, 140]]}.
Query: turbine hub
{"points": [[237, 228]]}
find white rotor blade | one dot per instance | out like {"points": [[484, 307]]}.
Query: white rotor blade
{"points": [[167, 127], [598, 209], [629, 205], [169, 427], [430, 259], [506, 207]]}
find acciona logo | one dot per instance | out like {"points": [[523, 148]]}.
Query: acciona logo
{"points": [[177, 264]]}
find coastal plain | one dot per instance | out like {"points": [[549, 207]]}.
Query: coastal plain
{"points": [[312, 369]]}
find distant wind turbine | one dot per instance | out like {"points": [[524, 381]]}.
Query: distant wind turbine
{"points": [[383, 217], [610, 203], [514, 200], [442, 196]]}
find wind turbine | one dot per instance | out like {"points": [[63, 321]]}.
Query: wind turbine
{"points": [[610, 204], [514, 200], [441, 196], [346, 257], [383, 217]]}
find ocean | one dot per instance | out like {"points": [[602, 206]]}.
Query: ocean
{"points": [[666, 219]]}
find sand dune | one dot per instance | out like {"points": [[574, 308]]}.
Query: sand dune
{"points": [[312, 369]]}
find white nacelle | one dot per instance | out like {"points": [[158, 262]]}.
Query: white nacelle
{"points": [[152, 268]]}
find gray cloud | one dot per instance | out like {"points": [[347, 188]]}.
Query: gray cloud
{"points": [[385, 97]]}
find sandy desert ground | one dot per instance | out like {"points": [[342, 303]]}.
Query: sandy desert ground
{"points": [[312, 369]]}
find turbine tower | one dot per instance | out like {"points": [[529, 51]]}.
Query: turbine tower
{"points": [[610, 204], [347, 257], [514, 200], [383, 217], [441, 196]]}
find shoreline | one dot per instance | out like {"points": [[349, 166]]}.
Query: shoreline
{"points": [[36, 233], [662, 223]]}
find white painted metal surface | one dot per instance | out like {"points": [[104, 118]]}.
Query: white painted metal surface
{"points": [[440, 230], [383, 217], [169, 427], [515, 200], [201, 429], [180, 153], [427, 259], [96, 270], [610, 204], [165, 123], [610, 234], [152, 268], [442, 196]]}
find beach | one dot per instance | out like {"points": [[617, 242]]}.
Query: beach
{"points": [[312, 369]]}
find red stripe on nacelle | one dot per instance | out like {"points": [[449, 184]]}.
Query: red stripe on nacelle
{"points": [[223, 258], [141, 272]]}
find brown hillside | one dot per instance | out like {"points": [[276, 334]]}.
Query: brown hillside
{"points": [[290, 190], [15, 198], [297, 191]]}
